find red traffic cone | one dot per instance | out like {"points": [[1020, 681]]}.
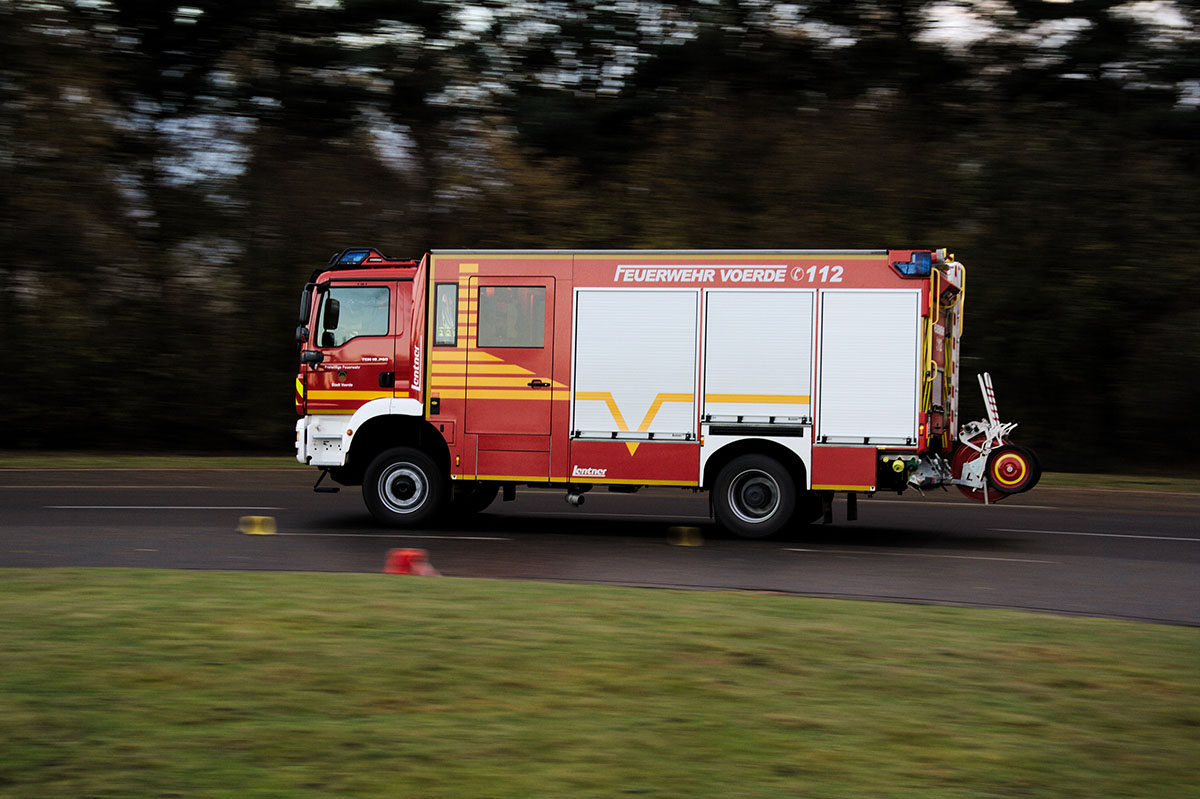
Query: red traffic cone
{"points": [[409, 561]]}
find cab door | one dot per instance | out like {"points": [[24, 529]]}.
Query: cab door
{"points": [[356, 330], [510, 378]]}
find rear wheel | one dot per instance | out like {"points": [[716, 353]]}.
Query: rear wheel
{"points": [[810, 507], [403, 487], [754, 496]]}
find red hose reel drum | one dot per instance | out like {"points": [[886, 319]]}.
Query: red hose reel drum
{"points": [[1010, 469]]}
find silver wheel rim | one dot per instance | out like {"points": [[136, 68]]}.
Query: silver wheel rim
{"points": [[753, 496], [403, 487]]}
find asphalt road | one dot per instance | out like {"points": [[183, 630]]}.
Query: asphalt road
{"points": [[1133, 555]]}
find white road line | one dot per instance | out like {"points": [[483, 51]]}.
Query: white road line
{"points": [[1094, 535], [401, 535], [161, 507], [616, 514], [917, 555]]}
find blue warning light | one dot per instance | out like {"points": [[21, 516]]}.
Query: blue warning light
{"points": [[353, 257], [920, 265]]}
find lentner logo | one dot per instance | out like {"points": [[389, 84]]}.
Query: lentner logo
{"points": [[588, 471]]}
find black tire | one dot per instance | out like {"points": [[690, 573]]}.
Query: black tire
{"points": [[754, 496], [471, 498], [404, 488], [1012, 469], [810, 507]]}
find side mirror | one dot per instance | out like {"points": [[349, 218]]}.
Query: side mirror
{"points": [[312, 357], [306, 304], [301, 334], [333, 310]]}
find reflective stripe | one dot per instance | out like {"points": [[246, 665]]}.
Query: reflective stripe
{"points": [[801, 399], [348, 395]]}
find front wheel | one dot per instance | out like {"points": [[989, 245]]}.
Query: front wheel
{"points": [[754, 496], [403, 488]]}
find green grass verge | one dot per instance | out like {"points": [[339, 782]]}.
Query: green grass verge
{"points": [[121, 683], [1121, 482]]}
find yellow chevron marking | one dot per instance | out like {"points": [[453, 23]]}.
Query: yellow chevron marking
{"points": [[608, 399]]}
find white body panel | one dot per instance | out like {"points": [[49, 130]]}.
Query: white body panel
{"points": [[321, 439], [635, 364], [758, 355], [869, 382]]}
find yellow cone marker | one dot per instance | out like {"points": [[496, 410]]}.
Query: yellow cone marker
{"points": [[257, 525], [685, 537]]}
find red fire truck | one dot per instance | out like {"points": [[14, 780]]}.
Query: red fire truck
{"points": [[770, 378]]}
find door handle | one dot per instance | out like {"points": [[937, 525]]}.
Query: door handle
{"points": [[537, 382], [387, 379]]}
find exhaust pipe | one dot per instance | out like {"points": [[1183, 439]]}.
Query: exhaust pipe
{"points": [[575, 494]]}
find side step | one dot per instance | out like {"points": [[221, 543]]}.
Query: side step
{"points": [[326, 489]]}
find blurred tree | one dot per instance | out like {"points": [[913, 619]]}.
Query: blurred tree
{"points": [[171, 175]]}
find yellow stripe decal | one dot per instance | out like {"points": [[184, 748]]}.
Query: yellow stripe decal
{"points": [[481, 369], [499, 393], [473, 380], [841, 488], [461, 355], [468, 267], [524, 478], [684, 483], [801, 399], [349, 395]]}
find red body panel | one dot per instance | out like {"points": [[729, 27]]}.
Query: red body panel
{"points": [[649, 463], [843, 468]]}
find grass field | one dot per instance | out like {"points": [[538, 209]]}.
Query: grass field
{"points": [[121, 683]]}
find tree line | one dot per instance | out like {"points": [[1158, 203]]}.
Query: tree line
{"points": [[173, 173]]}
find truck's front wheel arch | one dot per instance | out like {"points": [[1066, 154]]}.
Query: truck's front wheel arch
{"points": [[386, 432]]}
